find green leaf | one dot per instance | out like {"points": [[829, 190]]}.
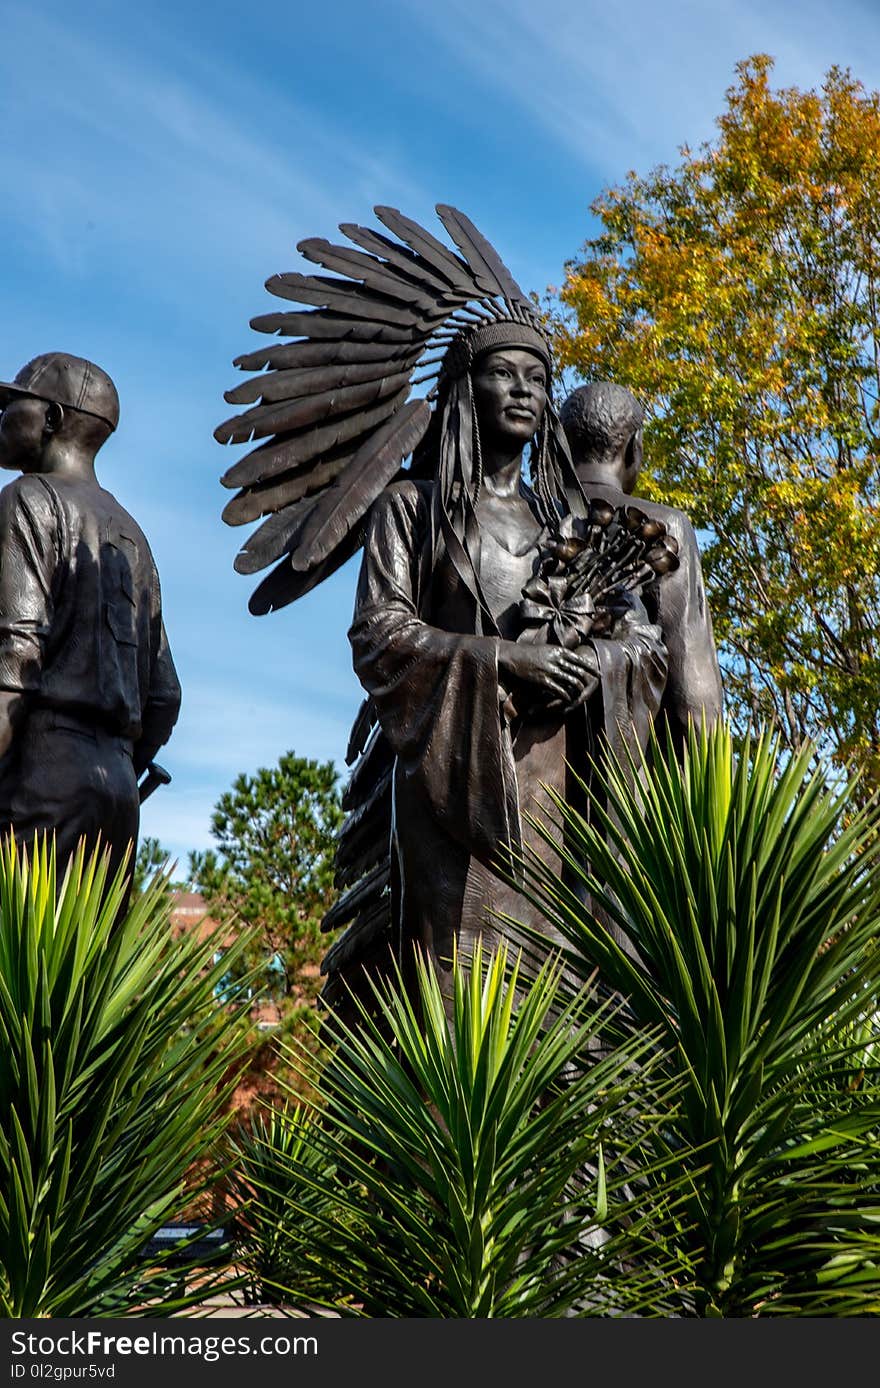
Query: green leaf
{"points": [[113, 1075]]}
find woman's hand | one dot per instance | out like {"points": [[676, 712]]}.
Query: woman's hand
{"points": [[547, 678]]}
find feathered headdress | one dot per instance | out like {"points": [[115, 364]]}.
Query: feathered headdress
{"points": [[334, 404]]}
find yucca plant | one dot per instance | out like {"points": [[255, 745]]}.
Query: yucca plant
{"points": [[467, 1164], [750, 889], [278, 1216], [115, 1058]]}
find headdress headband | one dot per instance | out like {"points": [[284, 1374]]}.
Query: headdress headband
{"points": [[492, 337]]}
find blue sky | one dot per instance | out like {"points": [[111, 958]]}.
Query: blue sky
{"points": [[161, 161]]}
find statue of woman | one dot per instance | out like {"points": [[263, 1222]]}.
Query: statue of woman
{"points": [[476, 705], [481, 724]]}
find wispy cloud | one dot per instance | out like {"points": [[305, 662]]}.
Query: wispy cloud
{"points": [[623, 89], [177, 167]]}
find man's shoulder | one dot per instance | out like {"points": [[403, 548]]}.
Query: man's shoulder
{"points": [[85, 498], [125, 520], [31, 492]]}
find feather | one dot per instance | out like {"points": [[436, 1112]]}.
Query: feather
{"points": [[276, 386], [456, 273], [326, 325], [370, 930], [372, 850], [365, 722], [284, 585], [487, 265], [364, 824], [376, 760], [347, 989], [405, 261], [346, 297], [377, 277], [365, 835], [289, 415], [283, 454], [368, 473], [331, 409], [364, 892], [300, 355], [275, 537], [265, 497]]}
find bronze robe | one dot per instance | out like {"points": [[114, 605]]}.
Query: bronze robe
{"points": [[465, 775]]}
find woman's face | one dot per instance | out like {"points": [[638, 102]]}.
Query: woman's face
{"points": [[510, 395]]}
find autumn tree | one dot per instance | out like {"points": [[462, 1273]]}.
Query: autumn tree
{"points": [[273, 867], [737, 296]]}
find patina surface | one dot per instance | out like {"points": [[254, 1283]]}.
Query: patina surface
{"points": [[499, 628], [604, 425], [88, 688]]}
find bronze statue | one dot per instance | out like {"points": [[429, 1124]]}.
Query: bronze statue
{"points": [[498, 630], [88, 689], [604, 426]]}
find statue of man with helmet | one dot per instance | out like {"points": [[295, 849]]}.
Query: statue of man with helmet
{"points": [[88, 688]]}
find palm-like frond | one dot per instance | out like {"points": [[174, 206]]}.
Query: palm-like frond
{"points": [[277, 1215], [114, 1061], [479, 1167], [751, 892]]}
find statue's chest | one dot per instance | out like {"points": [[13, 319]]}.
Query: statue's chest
{"points": [[502, 576]]}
